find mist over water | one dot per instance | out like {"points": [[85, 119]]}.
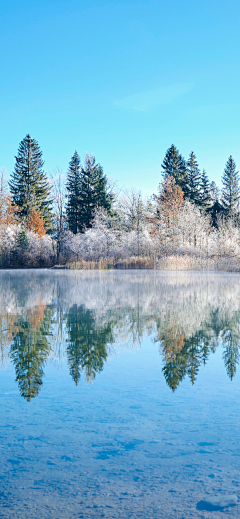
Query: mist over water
{"points": [[119, 393]]}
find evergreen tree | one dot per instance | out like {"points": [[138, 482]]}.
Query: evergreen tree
{"points": [[93, 192], [230, 191], [74, 205], [205, 191], [193, 179], [174, 165], [28, 184]]}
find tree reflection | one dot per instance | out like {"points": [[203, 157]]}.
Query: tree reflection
{"points": [[183, 356], [231, 339], [87, 343], [30, 349], [190, 316]]}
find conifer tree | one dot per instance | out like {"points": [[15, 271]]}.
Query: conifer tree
{"points": [[193, 179], [28, 184], [74, 209], [93, 192], [230, 191], [174, 165], [205, 191]]}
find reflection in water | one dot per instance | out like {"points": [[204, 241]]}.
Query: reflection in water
{"points": [[87, 344], [30, 349], [85, 316], [184, 356]]}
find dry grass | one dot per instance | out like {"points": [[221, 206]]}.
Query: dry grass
{"points": [[106, 264], [188, 262], [166, 262]]}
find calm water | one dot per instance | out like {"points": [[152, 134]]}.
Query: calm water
{"points": [[119, 394]]}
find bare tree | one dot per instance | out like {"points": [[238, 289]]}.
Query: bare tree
{"points": [[59, 216]]}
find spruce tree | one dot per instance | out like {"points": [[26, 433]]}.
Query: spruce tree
{"points": [[193, 179], [205, 191], [175, 166], [93, 192], [73, 209], [230, 191], [28, 183]]}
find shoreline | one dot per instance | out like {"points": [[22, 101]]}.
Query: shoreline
{"points": [[174, 262]]}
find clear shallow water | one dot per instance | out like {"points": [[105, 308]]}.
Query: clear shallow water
{"points": [[119, 394]]}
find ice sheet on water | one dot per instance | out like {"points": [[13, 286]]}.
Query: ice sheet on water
{"points": [[217, 502]]}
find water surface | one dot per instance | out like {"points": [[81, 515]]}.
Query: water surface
{"points": [[119, 394]]}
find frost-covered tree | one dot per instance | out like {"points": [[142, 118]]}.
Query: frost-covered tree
{"points": [[134, 211], [93, 192], [59, 228], [168, 203], [231, 190]]}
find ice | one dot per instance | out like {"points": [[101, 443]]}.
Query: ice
{"points": [[217, 502]]}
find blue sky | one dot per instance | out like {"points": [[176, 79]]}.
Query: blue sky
{"points": [[124, 80]]}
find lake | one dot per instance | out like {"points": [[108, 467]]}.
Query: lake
{"points": [[119, 394]]}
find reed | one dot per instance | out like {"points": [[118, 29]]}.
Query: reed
{"points": [[165, 262]]}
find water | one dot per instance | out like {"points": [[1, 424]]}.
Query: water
{"points": [[119, 394]]}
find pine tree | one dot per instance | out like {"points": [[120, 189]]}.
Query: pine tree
{"points": [[93, 192], [74, 209], [174, 165], [230, 191], [28, 184], [205, 191], [193, 179]]}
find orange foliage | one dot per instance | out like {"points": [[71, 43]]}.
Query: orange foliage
{"points": [[169, 201], [8, 211], [34, 316], [172, 341], [35, 223], [37, 315], [170, 196]]}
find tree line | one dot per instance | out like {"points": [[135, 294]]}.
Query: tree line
{"points": [[82, 212]]}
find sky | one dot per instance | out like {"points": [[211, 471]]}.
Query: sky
{"points": [[122, 80]]}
